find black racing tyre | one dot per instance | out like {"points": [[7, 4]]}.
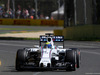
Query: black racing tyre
{"points": [[20, 59], [78, 56], [53, 61], [71, 58]]}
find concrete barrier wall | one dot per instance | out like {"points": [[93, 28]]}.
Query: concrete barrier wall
{"points": [[31, 22], [88, 32]]}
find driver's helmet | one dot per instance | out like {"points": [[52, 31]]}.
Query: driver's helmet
{"points": [[48, 44]]}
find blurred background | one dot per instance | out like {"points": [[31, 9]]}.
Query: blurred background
{"points": [[59, 13], [78, 11], [36, 9]]}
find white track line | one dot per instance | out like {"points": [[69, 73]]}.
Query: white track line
{"points": [[6, 51], [37, 73], [12, 44], [92, 73], [30, 42], [96, 53]]}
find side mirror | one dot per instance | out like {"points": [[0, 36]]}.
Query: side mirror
{"points": [[36, 46], [61, 47]]}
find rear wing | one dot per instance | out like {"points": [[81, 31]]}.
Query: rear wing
{"points": [[54, 38]]}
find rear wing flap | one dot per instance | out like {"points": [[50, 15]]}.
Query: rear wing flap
{"points": [[55, 38]]}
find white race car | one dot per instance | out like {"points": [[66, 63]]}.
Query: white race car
{"points": [[48, 56]]}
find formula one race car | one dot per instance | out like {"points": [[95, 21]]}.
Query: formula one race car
{"points": [[48, 56]]}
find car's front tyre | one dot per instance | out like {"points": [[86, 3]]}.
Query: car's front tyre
{"points": [[71, 58], [20, 59]]}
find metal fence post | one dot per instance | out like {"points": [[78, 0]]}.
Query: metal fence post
{"points": [[36, 9], [65, 14], [75, 13], [95, 11], [85, 14], [58, 9], [8, 5], [13, 2]]}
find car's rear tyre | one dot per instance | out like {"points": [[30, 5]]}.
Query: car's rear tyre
{"points": [[78, 56], [71, 58], [20, 59]]}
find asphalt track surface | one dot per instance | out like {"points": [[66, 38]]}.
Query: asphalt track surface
{"points": [[90, 58]]}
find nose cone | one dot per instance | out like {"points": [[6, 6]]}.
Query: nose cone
{"points": [[45, 64]]}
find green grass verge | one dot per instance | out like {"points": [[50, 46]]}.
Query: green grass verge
{"points": [[15, 38], [16, 29], [85, 39]]}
